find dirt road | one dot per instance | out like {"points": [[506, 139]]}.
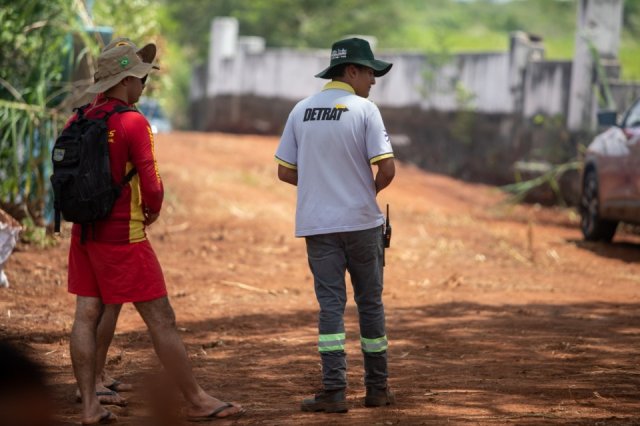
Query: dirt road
{"points": [[496, 314]]}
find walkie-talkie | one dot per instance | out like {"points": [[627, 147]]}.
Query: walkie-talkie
{"points": [[387, 230]]}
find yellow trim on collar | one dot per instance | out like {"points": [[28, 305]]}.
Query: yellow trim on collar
{"points": [[339, 85]]}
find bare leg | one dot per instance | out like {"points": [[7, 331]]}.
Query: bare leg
{"points": [[106, 330], [160, 319], [83, 355]]}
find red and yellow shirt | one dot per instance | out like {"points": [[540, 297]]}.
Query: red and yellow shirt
{"points": [[131, 145]]}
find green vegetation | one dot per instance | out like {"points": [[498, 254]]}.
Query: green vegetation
{"points": [[548, 178], [33, 46], [483, 25]]}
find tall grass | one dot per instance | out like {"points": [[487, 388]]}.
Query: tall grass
{"points": [[28, 132], [36, 59]]}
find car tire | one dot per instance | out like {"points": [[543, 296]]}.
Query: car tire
{"points": [[594, 228]]}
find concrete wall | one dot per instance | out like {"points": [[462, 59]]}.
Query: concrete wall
{"points": [[289, 74], [518, 81], [546, 88]]}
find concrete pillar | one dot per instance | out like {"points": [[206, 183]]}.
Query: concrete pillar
{"points": [[523, 49], [223, 44], [252, 44], [599, 22]]}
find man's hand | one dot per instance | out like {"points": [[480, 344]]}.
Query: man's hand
{"points": [[149, 218]]}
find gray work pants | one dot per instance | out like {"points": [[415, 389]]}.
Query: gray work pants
{"points": [[330, 256]]}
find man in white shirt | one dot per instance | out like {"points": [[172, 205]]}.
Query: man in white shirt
{"points": [[329, 143]]}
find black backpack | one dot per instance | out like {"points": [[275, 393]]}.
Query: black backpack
{"points": [[83, 189]]}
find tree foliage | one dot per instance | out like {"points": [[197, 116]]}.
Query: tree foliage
{"points": [[631, 17], [34, 50], [404, 24], [32, 45], [291, 23]]}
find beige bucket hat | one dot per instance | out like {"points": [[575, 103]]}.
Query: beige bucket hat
{"points": [[117, 62]]}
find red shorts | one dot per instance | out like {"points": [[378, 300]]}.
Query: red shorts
{"points": [[116, 273]]}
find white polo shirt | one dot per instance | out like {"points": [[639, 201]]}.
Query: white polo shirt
{"points": [[331, 139]]}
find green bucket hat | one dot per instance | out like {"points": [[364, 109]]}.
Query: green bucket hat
{"points": [[354, 51]]}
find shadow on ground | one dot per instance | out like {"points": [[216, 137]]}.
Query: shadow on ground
{"points": [[622, 250], [463, 362]]}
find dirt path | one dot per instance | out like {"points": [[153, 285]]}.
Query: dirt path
{"points": [[497, 314]]}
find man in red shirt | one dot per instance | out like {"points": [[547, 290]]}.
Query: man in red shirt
{"points": [[116, 263], [108, 388]]}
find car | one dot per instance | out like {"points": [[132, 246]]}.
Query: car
{"points": [[155, 115], [611, 177]]}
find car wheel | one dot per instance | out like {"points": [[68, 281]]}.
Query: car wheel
{"points": [[594, 228]]}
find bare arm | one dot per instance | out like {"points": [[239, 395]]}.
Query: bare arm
{"points": [[385, 174], [287, 175]]}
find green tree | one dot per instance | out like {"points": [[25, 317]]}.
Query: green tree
{"points": [[34, 48], [290, 23]]}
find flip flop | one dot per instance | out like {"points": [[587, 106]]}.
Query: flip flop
{"points": [[122, 403], [107, 418], [214, 414], [118, 386]]}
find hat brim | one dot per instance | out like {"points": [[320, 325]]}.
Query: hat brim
{"points": [[139, 71], [147, 53], [379, 67]]}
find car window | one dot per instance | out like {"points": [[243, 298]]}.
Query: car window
{"points": [[150, 109], [157, 113], [632, 118]]}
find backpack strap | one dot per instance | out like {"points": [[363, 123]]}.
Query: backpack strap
{"points": [[117, 189], [118, 109], [128, 177], [80, 110], [56, 207]]}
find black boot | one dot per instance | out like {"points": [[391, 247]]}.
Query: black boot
{"points": [[329, 401], [377, 397]]}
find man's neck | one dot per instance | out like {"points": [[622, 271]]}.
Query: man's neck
{"points": [[118, 93]]}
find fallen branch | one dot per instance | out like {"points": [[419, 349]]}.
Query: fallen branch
{"points": [[177, 228], [243, 286]]}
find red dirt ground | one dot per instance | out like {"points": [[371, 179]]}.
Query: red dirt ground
{"points": [[496, 313]]}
